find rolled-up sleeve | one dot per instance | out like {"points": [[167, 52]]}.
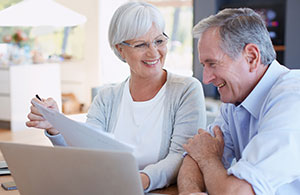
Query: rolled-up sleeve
{"points": [[271, 159], [246, 171]]}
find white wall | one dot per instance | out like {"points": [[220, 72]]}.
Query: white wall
{"points": [[99, 65], [112, 69]]}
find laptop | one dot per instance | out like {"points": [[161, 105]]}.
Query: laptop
{"points": [[71, 171]]}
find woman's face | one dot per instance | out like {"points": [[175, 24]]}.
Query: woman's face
{"points": [[146, 54]]}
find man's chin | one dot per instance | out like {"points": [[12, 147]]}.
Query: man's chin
{"points": [[225, 99]]}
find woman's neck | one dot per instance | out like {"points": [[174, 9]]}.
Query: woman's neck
{"points": [[143, 89]]}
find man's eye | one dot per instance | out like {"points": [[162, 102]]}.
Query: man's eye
{"points": [[141, 45], [208, 65]]}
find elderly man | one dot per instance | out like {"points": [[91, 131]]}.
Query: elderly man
{"points": [[253, 147]]}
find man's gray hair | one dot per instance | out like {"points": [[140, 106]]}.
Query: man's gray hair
{"points": [[239, 27], [132, 20]]}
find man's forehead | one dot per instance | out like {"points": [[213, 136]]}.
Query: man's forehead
{"points": [[214, 56], [209, 51], [212, 31], [209, 45], [211, 34]]}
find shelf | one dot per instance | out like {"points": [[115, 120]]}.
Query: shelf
{"points": [[279, 47]]}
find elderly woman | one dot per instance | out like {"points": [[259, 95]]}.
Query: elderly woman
{"points": [[154, 110]]}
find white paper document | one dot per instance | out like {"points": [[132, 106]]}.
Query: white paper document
{"points": [[82, 135]]}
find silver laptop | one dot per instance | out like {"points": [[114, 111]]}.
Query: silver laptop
{"points": [[70, 171]]}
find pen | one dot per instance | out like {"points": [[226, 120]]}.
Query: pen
{"points": [[38, 97]]}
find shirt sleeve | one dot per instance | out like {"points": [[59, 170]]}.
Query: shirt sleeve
{"points": [[271, 159], [56, 140], [222, 121], [96, 114]]}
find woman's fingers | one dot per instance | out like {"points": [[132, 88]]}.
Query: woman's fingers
{"points": [[34, 117], [39, 124], [35, 111]]}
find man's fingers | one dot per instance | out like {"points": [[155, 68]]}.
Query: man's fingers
{"points": [[218, 133], [186, 146], [201, 131]]}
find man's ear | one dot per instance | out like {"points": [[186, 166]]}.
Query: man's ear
{"points": [[252, 55]]}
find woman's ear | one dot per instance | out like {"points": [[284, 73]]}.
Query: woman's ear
{"points": [[252, 55], [120, 50]]}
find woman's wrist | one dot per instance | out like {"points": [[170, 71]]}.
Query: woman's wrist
{"points": [[145, 180], [52, 131]]}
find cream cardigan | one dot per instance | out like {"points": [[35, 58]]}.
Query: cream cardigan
{"points": [[184, 114]]}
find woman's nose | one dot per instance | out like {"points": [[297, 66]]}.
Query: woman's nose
{"points": [[152, 49]]}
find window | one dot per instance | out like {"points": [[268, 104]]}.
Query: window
{"points": [[23, 45], [178, 15]]}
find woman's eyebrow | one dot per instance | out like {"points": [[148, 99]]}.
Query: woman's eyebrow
{"points": [[134, 41]]}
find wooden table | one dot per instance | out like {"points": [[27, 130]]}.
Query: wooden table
{"points": [[37, 137]]}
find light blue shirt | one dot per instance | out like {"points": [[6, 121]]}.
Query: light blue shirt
{"points": [[263, 134]]}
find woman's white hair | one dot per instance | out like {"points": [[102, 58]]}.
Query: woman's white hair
{"points": [[132, 20]]}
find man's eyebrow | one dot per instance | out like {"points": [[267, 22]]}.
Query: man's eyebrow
{"points": [[209, 61]]}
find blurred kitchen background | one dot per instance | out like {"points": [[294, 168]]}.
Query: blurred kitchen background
{"points": [[67, 59]]}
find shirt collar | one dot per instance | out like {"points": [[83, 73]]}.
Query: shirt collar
{"points": [[256, 98]]}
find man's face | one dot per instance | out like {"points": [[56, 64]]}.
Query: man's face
{"points": [[231, 76]]}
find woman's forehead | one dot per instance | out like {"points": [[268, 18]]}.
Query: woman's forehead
{"points": [[152, 34]]}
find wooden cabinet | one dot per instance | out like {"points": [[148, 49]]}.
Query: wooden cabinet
{"points": [[19, 84]]}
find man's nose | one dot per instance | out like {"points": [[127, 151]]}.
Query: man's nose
{"points": [[208, 76]]}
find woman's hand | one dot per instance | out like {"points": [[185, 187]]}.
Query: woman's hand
{"points": [[145, 180], [36, 119]]}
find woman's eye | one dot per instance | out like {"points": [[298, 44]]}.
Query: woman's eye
{"points": [[141, 45], [158, 42]]}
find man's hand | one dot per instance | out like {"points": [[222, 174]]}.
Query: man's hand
{"points": [[203, 146], [207, 151]]}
